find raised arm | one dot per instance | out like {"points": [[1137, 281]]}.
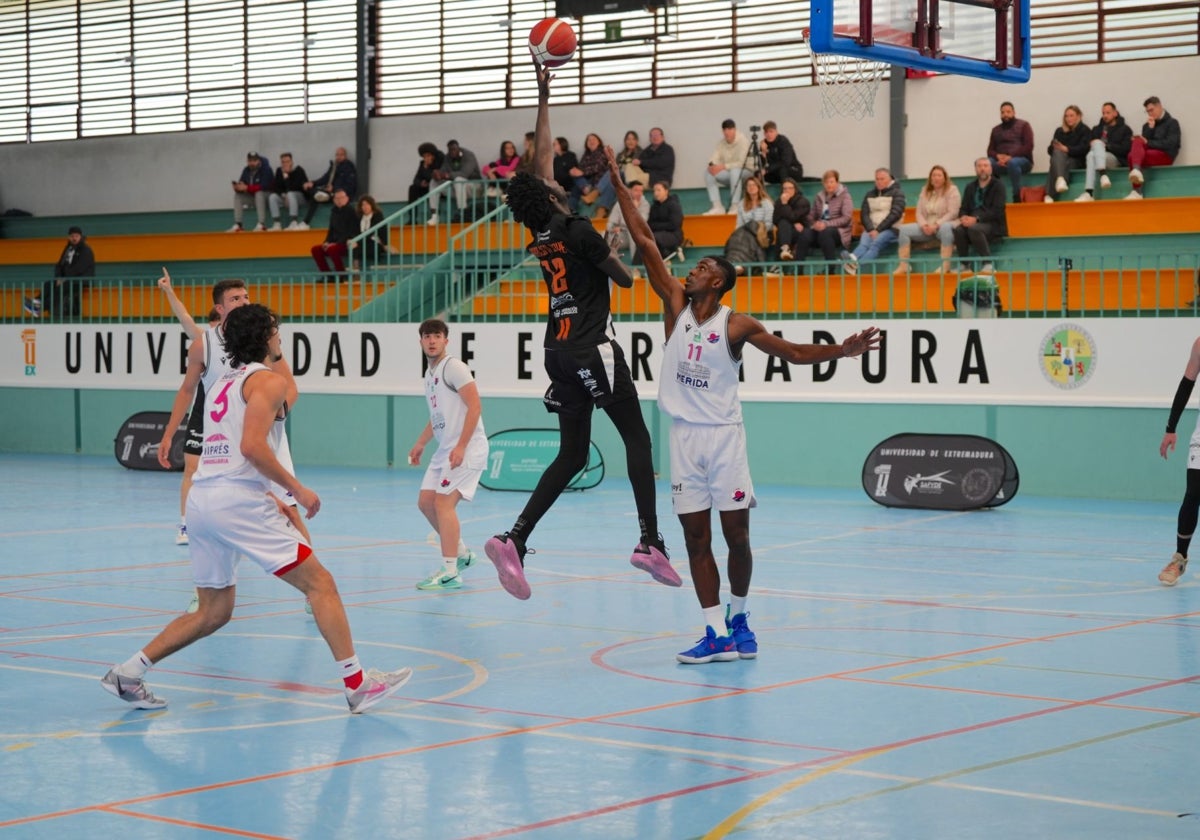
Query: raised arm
{"points": [[177, 308], [543, 143], [743, 328]]}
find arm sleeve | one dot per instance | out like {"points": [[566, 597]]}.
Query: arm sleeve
{"points": [[1182, 394]]}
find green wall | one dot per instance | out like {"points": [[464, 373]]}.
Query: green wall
{"points": [[1088, 452]]}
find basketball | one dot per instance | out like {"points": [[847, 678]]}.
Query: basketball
{"points": [[552, 42]]}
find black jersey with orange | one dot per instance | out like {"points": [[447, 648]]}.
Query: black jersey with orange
{"points": [[570, 251]]}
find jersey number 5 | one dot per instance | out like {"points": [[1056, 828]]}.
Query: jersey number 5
{"points": [[222, 403]]}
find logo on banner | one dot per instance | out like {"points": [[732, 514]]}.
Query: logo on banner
{"points": [[1068, 356], [927, 483], [883, 474], [29, 339]]}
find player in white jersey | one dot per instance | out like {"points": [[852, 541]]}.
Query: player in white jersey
{"points": [[698, 389], [456, 422], [231, 514], [1189, 508]]}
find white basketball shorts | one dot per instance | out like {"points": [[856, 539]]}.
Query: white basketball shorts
{"points": [[442, 479], [709, 468]]}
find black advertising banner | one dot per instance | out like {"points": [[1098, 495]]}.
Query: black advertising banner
{"points": [[136, 444], [518, 457], [940, 472]]}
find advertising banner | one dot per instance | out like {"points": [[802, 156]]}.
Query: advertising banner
{"points": [[518, 457], [940, 472], [136, 444]]}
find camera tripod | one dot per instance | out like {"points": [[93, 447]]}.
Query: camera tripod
{"points": [[753, 162]]}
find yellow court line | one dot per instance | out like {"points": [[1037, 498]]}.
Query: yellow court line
{"points": [[945, 668]]}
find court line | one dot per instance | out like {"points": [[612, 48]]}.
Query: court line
{"points": [[237, 832]]}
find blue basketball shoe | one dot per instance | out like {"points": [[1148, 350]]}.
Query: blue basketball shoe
{"points": [[742, 635], [712, 648]]}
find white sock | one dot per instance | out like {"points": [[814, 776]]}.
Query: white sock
{"points": [[135, 666], [451, 564], [462, 549], [183, 521], [737, 604], [714, 617]]}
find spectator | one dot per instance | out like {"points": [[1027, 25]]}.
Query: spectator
{"points": [[502, 168], [752, 235], [526, 163], [288, 185], [374, 249], [790, 217], [341, 175], [431, 161], [981, 218], [779, 156], [61, 296], [1010, 148], [1067, 151], [830, 221], [666, 222], [937, 214], [617, 233], [1111, 139], [1158, 144], [343, 226], [592, 183], [655, 163], [881, 213], [251, 188], [460, 168], [630, 151], [564, 161], [727, 167]]}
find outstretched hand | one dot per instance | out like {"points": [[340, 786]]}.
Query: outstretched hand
{"points": [[544, 77], [164, 282], [862, 342], [613, 169]]}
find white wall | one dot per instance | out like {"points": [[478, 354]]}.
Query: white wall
{"points": [[948, 120]]}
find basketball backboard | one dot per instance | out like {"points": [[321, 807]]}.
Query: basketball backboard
{"points": [[988, 39]]}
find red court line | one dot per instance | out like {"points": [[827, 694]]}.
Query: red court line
{"points": [[236, 832]]}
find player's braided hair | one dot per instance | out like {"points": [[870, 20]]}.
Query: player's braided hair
{"points": [[529, 200], [247, 333]]}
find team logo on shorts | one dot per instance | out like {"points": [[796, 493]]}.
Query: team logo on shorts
{"points": [[445, 482], [739, 495], [712, 338], [1068, 356]]}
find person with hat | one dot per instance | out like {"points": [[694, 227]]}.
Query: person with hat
{"points": [[61, 296], [253, 187]]}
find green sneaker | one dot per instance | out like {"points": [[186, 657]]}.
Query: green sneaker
{"points": [[439, 580], [466, 561]]}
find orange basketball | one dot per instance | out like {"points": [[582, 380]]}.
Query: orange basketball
{"points": [[552, 42]]}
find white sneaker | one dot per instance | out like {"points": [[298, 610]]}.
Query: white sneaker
{"points": [[433, 219], [1135, 195], [295, 225], [1135, 177], [1060, 185], [301, 225], [1086, 197], [132, 690], [715, 210], [1049, 199], [276, 226], [260, 227], [987, 268], [235, 228], [1105, 182], [181, 538], [376, 687]]}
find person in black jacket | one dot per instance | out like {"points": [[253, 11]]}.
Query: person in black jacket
{"points": [[982, 218], [432, 160], [1158, 144], [1109, 147], [791, 214], [666, 222], [289, 186], [61, 296], [1067, 151], [655, 163], [564, 161], [779, 156], [343, 226]]}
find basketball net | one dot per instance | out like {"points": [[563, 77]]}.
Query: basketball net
{"points": [[848, 85]]}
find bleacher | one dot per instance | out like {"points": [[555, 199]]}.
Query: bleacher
{"points": [[1124, 257]]}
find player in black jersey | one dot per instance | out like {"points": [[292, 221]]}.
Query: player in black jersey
{"points": [[586, 366]]}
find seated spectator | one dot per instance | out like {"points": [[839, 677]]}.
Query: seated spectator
{"points": [[727, 167], [790, 217], [564, 162], [752, 236], [666, 223], [341, 175], [251, 188], [779, 156], [830, 222], [374, 249], [617, 233], [343, 226], [1010, 148], [1067, 151], [1158, 144], [288, 186], [981, 218], [937, 214], [881, 213], [61, 296], [460, 168], [502, 168], [630, 151], [1111, 139], [592, 181], [526, 164], [431, 161], [655, 163]]}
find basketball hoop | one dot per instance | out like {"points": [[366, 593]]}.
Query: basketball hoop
{"points": [[848, 85]]}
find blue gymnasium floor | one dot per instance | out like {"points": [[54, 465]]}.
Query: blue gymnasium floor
{"points": [[1012, 673]]}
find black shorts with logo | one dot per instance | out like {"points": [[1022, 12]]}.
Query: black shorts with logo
{"points": [[194, 443], [586, 377]]}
